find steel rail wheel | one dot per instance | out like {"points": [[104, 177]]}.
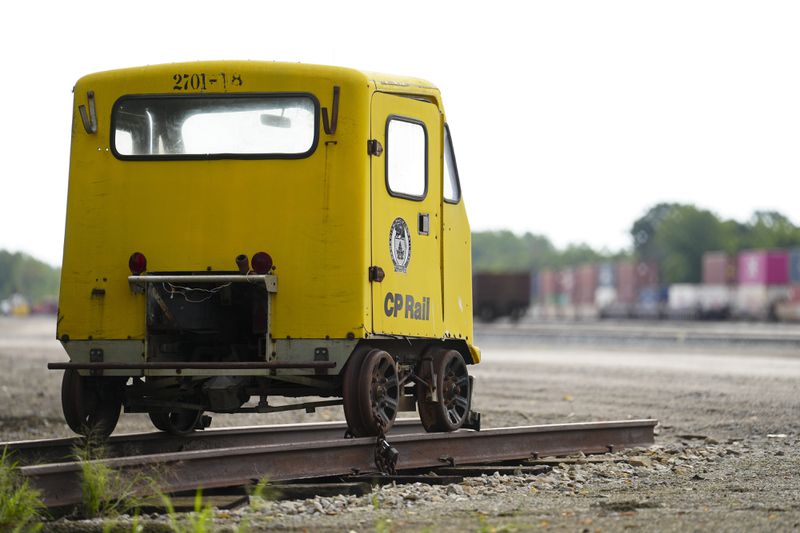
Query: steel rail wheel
{"points": [[350, 387], [91, 405], [371, 393], [179, 422], [450, 409]]}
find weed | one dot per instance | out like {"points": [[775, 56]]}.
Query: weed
{"points": [[383, 525], [104, 491], [199, 521], [21, 506]]}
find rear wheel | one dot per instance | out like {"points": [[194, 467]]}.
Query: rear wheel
{"points": [[371, 393], [91, 405], [450, 408]]}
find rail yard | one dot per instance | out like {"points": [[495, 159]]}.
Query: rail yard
{"points": [[725, 452]]}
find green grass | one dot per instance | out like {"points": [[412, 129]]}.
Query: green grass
{"points": [[200, 521], [21, 507], [104, 492]]}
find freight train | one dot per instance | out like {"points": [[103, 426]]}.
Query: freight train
{"points": [[259, 230], [753, 285]]}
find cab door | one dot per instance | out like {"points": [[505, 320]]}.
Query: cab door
{"points": [[406, 137]]}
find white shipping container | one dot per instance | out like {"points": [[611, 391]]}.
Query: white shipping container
{"points": [[716, 300], [683, 297], [605, 297], [758, 301]]}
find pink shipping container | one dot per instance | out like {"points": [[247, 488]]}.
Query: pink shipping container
{"points": [[763, 267], [586, 278], [719, 268]]}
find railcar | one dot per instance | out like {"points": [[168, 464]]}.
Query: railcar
{"points": [[238, 232]]}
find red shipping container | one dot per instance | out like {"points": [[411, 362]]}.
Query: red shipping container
{"points": [[646, 274], [718, 268], [548, 285], [586, 279], [626, 282], [763, 267]]}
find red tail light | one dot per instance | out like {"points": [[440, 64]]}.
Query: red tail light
{"points": [[261, 262], [137, 263]]}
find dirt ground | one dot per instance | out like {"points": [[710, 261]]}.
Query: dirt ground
{"points": [[726, 454]]}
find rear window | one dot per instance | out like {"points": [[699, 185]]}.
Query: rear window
{"points": [[224, 126]]}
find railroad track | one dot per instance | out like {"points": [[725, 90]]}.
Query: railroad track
{"points": [[240, 456], [614, 333]]}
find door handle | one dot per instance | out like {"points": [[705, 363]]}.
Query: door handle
{"points": [[424, 223]]}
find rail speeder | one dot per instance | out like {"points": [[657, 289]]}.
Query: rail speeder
{"points": [[239, 231]]}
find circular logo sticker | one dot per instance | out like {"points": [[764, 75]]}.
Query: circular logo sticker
{"points": [[400, 244]]}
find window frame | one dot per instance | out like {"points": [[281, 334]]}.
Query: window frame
{"points": [[448, 141], [396, 194], [208, 157]]}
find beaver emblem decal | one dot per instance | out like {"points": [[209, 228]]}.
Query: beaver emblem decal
{"points": [[400, 244]]}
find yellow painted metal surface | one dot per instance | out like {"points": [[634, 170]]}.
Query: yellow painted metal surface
{"points": [[321, 218]]}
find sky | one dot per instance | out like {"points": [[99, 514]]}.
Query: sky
{"points": [[569, 118]]}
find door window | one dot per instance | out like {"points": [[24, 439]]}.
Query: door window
{"points": [[406, 158]]}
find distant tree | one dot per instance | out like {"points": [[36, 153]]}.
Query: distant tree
{"points": [[682, 237], [31, 278], [645, 228], [770, 229]]}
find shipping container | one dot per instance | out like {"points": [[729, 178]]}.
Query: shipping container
{"points": [[606, 275], [794, 266], [566, 287], [716, 300], [763, 267], [759, 302], [651, 302], [646, 275], [789, 311], [626, 282], [548, 287], [719, 268], [497, 295], [683, 301], [585, 284]]}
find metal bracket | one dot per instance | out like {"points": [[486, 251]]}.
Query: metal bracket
{"points": [[376, 273], [89, 119], [386, 456], [374, 147], [329, 124]]}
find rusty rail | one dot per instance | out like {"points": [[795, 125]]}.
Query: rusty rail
{"points": [[44, 451], [241, 465]]}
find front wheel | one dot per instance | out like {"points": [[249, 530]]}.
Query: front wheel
{"points": [[91, 405], [449, 409]]}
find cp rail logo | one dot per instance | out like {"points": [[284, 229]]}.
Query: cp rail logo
{"points": [[400, 245]]}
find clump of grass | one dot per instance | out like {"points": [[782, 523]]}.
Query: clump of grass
{"points": [[21, 507], [104, 492], [199, 521]]}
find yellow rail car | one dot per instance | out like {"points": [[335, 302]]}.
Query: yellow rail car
{"points": [[252, 229]]}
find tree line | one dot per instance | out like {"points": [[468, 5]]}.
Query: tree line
{"points": [[21, 273], [674, 235]]}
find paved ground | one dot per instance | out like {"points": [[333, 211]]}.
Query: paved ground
{"points": [[727, 454]]}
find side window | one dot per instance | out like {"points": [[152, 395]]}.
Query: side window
{"points": [[406, 158], [452, 188]]}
